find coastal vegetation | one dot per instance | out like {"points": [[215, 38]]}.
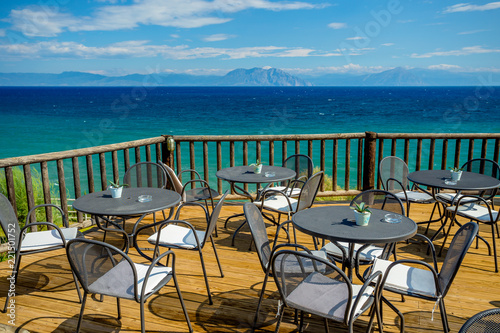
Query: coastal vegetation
{"points": [[21, 197]]}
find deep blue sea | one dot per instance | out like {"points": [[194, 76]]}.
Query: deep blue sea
{"points": [[37, 120]]}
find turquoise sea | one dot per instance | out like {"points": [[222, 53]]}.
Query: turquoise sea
{"points": [[37, 120]]}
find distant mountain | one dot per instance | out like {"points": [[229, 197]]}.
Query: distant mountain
{"points": [[237, 77], [401, 77], [261, 77], [254, 77]]}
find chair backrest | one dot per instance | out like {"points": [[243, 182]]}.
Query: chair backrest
{"points": [[259, 233], [380, 199], [393, 168], [146, 174], [175, 183], [314, 276], [214, 217], [455, 255], [301, 164], [92, 261], [486, 321], [309, 191], [486, 167], [8, 220]]}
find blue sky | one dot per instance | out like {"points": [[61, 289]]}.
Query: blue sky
{"points": [[117, 37]]}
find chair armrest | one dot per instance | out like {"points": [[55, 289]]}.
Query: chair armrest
{"points": [[270, 192], [32, 210], [368, 283], [190, 171], [154, 263]]}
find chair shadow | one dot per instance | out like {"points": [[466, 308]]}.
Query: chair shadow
{"points": [[90, 321]]}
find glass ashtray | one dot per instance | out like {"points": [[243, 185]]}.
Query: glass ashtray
{"points": [[392, 218], [450, 182], [145, 198], [270, 174]]}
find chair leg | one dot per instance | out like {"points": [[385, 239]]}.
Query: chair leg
{"points": [[182, 303], [77, 286], [217, 257], [118, 309], [80, 318], [282, 309], [256, 317], [206, 278], [13, 279], [494, 246], [143, 329], [326, 326], [444, 318]]}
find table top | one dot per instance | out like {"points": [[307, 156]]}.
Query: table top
{"points": [[468, 181], [245, 174], [337, 223], [101, 203]]}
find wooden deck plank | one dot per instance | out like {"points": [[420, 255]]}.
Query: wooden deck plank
{"points": [[46, 299]]}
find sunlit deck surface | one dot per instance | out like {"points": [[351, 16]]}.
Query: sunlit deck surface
{"points": [[47, 301]]}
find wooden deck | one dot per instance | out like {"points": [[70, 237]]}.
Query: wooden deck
{"points": [[46, 299]]}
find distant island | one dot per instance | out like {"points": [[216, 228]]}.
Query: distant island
{"points": [[255, 77]]}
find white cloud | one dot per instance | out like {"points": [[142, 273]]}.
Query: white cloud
{"points": [[445, 67], [349, 68], [337, 25], [218, 37], [387, 44], [462, 52], [355, 38], [48, 22], [471, 32], [142, 48], [175, 36], [35, 21], [467, 7]]}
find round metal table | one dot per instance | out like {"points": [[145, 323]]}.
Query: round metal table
{"points": [[244, 174], [337, 223], [103, 205]]}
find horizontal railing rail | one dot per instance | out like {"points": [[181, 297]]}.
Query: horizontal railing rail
{"points": [[349, 161]]}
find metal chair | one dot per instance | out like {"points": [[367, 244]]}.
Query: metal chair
{"points": [[189, 193], [323, 289], [303, 167], [178, 234], [24, 243], [476, 209], [487, 321], [393, 174], [366, 253], [146, 174], [426, 281], [278, 202], [263, 247], [104, 269], [478, 165]]}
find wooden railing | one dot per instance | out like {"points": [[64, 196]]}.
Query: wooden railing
{"points": [[349, 160]]}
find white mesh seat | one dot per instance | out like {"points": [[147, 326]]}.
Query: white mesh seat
{"points": [[180, 234], [325, 291], [177, 236], [46, 239], [24, 241], [423, 280], [119, 282], [104, 269]]}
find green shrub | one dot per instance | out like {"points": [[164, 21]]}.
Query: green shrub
{"points": [[21, 198]]}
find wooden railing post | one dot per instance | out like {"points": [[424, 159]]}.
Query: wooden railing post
{"points": [[167, 150], [369, 160]]}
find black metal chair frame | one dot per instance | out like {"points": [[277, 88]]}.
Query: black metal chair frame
{"points": [[79, 268], [15, 236]]}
